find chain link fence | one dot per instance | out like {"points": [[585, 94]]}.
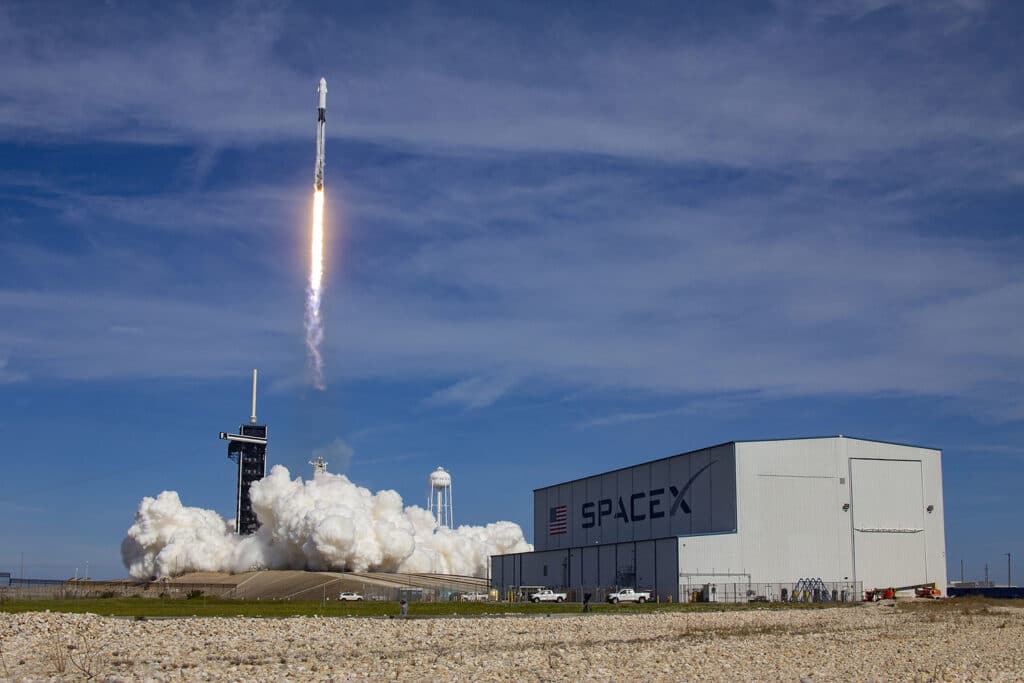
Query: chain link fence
{"points": [[438, 590], [804, 590], [35, 589]]}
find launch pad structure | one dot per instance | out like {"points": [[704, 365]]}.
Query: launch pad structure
{"points": [[248, 449]]}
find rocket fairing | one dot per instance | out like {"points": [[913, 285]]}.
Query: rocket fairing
{"points": [[321, 120]]}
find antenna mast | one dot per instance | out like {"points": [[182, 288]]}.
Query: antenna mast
{"points": [[252, 418]]}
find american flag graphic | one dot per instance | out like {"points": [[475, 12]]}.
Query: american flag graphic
{"points": [[558, 520]]}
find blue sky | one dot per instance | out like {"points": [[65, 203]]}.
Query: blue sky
{"points": [[560, 240]]}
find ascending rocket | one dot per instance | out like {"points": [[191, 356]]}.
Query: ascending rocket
{"points": [[321, 120]]}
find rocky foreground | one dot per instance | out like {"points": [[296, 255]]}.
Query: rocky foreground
{"points": [[876, 642]]}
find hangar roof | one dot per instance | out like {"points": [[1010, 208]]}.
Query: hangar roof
{"points": [[736, 441]]}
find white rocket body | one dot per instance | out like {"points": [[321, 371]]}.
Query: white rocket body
{"points": [[321, 120]]}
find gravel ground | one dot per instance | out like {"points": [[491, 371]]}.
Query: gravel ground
{"points": [[871, 642]]}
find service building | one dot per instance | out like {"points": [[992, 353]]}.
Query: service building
{"points": [[834, 509]]}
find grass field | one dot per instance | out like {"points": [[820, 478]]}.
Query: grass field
{"points": [[211, 607]]}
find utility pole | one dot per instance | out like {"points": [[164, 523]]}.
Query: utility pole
{"points": [[986, 573], [23, 569], [1009, 573], [961, 571]]}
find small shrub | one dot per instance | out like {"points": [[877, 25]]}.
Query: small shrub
{"points": [[58, 654], [3, 661], [195, 593], [87, 655]]}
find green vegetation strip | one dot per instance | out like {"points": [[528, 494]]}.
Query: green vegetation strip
{"points": [[210, 607]]}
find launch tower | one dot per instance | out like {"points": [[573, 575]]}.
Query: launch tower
{"points": [[319, 466], [248, 449]]}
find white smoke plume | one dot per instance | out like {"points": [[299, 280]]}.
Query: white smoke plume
{"points": [[325, 524]]}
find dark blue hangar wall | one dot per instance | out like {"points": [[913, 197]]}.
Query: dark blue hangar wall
{"points": [[622, 528], [647, 565], [682, 495]]}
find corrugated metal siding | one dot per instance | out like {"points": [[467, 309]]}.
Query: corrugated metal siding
{"points": [[575, 567], [934, 537], [791, 519], [650, 565], [804, 524], [710, 559], [637, 503], [645, 567], [591, 566], [888, 522], [540, 518], [606, 556], [791, 522], [667, 568]]}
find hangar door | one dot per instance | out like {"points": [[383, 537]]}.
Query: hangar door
{"points": [[888, 522]]}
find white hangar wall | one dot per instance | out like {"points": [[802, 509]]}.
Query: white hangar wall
{"points": [[833, 508]]}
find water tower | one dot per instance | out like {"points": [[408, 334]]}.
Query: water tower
{"points": [[439, 498]]}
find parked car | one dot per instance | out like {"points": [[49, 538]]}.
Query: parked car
{"points": [[629, 595], [547, 595], [350, 596]]}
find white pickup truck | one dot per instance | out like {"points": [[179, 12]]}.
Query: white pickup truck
{"points": [[475, 597], [629, 595], [547, 595]]}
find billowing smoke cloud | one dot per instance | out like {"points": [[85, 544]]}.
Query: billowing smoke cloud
{"points": [[328, 523]]}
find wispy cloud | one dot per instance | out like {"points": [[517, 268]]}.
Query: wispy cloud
{"points": [[742, 211], [767, 94], [9, 376], [710, 406], [609, 283], [474, 392], [624, 417], [81, 336]]}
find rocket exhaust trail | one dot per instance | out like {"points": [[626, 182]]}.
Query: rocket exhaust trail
{"points": [[314, 322]]}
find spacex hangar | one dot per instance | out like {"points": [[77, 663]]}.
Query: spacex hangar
{"points": [[767, 515]]}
